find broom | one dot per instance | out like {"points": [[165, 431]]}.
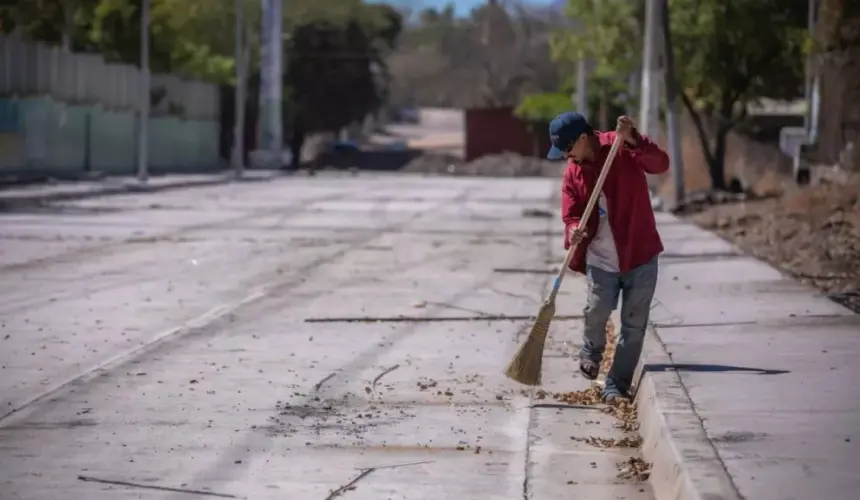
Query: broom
{"points": [[525, 368]]}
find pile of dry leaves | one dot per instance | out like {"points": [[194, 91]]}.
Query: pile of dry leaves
{"points": [[624, 412], [812, 233]]}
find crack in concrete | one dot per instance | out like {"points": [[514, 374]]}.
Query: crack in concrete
{"points": [[323, 381], [366, 472], [384, 373], [396, 466], [350, 485], [458, 308], [434, 319], [155, 487]]}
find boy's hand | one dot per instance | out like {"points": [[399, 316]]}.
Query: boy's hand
{"points": [[576, 236], [627, 130]]}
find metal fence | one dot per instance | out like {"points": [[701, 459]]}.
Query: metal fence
{"points": [[30, 69]]}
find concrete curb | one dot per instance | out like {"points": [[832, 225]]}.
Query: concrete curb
{"points": [[8, 202], [685, 464]]}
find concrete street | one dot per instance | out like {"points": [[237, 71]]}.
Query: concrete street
{"points": [[304, 338]]}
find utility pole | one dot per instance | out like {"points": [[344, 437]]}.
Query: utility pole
{"points": [[271, 82], [143, 116], [809, 87], [649, 97], [676, 160], [582, 86], [648, 104], [239, 94]]}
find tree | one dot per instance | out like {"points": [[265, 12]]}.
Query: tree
{"points": [[543, 107], [732, 53], [336, 50], [108, 27], [729, 53], [203, 35], [607, 33], [335, 72], [492, 57], [53, 21]]}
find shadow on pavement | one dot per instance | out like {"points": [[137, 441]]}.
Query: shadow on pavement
{"points": [[708, 368]]}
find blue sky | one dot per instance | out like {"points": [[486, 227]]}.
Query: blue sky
{"points": [[462, 7]]}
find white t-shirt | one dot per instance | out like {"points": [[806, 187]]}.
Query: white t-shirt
{"points": [[602, 253]]}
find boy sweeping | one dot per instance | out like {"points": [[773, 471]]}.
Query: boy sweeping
{"points": [[619, 243]]}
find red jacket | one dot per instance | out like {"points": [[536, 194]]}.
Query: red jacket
{"points": [[628, 201]]}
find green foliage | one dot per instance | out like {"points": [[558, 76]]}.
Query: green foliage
{"points": [[329, 74], [202, 36], [607, 31], [543, 107], [728, 54], [335, 50], [46, 20], [732, 53]]}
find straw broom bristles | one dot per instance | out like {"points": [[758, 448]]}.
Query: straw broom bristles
{"points": [[526, 366]]}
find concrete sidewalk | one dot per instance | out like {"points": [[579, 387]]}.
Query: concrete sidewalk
{"points": [[34, 194], [750, 379]]}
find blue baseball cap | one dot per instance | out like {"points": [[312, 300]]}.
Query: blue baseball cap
{"points": [[564, 130]]}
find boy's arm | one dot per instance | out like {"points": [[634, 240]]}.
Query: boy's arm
{"points": [[571, 207], [648, 155]]}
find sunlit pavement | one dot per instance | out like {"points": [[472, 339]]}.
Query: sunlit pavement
{"points": [[304, 338]]}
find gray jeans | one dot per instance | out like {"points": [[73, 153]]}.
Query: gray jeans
{"points": [[636, 288]]}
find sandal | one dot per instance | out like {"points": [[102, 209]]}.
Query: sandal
{"points": [[615, 398], [589, 369]]}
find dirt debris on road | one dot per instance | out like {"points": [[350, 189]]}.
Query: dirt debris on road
{"points": [[623, 411], [500, 165], [812, 233]]}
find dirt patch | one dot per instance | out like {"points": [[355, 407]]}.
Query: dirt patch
{"points": [[812, 233], [329, 416], [501, 165]]}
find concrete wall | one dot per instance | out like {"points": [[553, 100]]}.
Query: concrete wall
{"points": [[63, 114], [760, 165], [43, 136]]}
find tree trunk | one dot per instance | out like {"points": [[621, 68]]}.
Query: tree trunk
{"points": [[604, 112], [68, 25], [297, 142], [717, 165]]}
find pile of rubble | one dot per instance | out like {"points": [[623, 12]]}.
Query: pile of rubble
{"points": [[500, 165]]}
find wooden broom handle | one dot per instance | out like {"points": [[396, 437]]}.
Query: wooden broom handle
{"points": [[592, 201]]}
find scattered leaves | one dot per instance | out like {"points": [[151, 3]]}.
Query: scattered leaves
{"points": [[634, 468]]}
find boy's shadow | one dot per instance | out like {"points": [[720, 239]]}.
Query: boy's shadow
{"points": [[708, 368]]}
